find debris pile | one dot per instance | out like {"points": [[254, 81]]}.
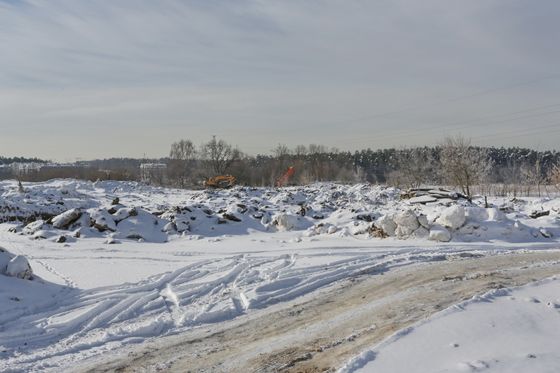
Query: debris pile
{"points": [[71, 210]]}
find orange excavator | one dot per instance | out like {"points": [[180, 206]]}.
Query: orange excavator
{"points": [[283, 180], [221, 182]]}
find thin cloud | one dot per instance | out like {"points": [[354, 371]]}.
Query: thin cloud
{"points": [[263, 72]]}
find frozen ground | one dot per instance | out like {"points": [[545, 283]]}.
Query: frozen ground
{"points": [[321, 331], [501, 331], [159, 262]]}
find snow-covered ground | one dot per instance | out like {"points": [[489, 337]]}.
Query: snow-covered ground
{"points": [[118, 263], [506, 330]]}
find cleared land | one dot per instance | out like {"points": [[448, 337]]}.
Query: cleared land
{"points": [[321, 334]]}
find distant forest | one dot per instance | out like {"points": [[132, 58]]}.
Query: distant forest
{"points": [[372, 165], [10, 160], [514, 168]]}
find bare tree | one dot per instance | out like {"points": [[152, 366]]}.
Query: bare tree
{"points": [[219, 156], [183, 150], [463, 165], [317, 161], [414, 167], [281, 151], [182, 164], [554, 177], [513, 177], [300, 151], [534, 174]]}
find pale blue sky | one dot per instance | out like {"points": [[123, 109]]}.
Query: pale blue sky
{"points": [[92, 78]]}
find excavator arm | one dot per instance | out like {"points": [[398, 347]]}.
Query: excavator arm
{"points": [[283, 180]]}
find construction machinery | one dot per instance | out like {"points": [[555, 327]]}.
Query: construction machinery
{"points": [[283, 180], [220, 181]]}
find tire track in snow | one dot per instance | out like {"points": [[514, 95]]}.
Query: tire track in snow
{"points": [[209, 291], [321, 333]]}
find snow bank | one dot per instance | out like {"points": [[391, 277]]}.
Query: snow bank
{"points": [[439, 233], [407, 223], [132, 211], [452, 217], [103, 221], [298, 240], [64, 220], [5, 258], [387, 224], [524, 337], [286, 222], [14, 266], [19, 267]]}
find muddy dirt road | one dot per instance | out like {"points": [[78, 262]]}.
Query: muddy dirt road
{"points": [[321, 332]]}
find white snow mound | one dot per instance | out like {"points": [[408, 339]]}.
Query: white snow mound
{"points": [[439, 233], [387, 224], [286, 222], [407, 223], [452, 217], [19, 267]]}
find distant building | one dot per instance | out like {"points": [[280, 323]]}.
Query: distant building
{"points": [[19, 168], [153, 173]]}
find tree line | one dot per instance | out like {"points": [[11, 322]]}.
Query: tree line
{"points": [[454, 162], [10, 160]]}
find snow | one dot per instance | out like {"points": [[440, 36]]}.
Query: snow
{"points": [[286, 222], [387, 224], [62, 221], [439, 233], [162, 261], [407, 223], [5, 258], [452, 217], [19, 267], [506, 330], [103, 221], [422, 199], [82, 209]]}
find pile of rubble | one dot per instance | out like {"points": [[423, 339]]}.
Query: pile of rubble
{"points": [[364, 211], [408, 224], [431, 195]]}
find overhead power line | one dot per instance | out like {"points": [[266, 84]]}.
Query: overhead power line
{"points": [[443, 101]]}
